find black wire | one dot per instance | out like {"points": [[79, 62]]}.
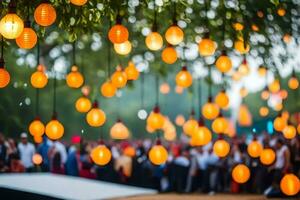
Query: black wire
{"points": [[38, 52], [74, 52], [54, 94], [157, 89], [37, 102], [206, 11], [224, 23], [142, 89], [199, 95], [210, 82], [2, 47], [108, 54]]}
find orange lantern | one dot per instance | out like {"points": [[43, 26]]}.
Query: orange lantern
{"points": [[254, 27], [287, 38], [158, 155], [240, 173], [39, 79], [274, 86], [236, 76], [36, 127], [179, 121], [45, 14], [264, 111], [154, 41], [28, 37], [210, 110], [285, 115], [290, 184], [238, 26], [220, 124], [267, 156], [164, 88], [221, 148], [101, 155], [118, 33], [244, 68], [119, 78], [201, 136], [149, 129], [169, 55], [78, 2], [54, 129], [74, 78], [38, 139], [4, 75], [131, 72], [184, 78], [108, 89], [37, 159], [279, 123], [244, 116], [241, 47], [265, 94], [222, 100], [206, 47], [129, 151], [119, 131], [83, 104], [190, 126], [293, 83], [156, 120], [289, 132], [174, 34], [262, 71], [224, 63], [254, 149], [123, 48], [96, 117], [281, 12]]}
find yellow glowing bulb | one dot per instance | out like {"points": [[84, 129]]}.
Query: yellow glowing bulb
{"points": [[290, 184], [293, 83], [223, 63], [154, 41], [101, 155], [184, 79], [123, 48], [174, 35], [206, 47], [11, 26], [158, 155], [241, 173], [221, 148]]}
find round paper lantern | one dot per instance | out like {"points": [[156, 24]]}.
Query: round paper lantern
{"points": [[254, 27], [54, 129], [267, 156], [241, 47], [131, 72], [108, 89], [129, 151], [123, 48], [174, 35], [201, 136], [95, 117], [154, 41], [45, 14], [78, 2], [264, 111], [156, 120], [158, 155], [244, 116], [238, 26], [240, 173], [262, 71], [220, 125], [83, 104], [281, 12], [290, 184], [28, 37], [184, 78], [254, 149], [4, 77], [222, 100], [293, 83], [101, 155], [164, 88], [206, 47], [36, 127], [265, 94], [118, 33], [210, 110], [38, 139], [278, 107], [223, 63], [37, 159], [244, 68], [119, 131], [39, 79], [190, 126], [169, 55], [274, 86], [221, 148], [279, 123], [11, 25], [74, 78], [119, 78], [180, 120], [289, 132]]}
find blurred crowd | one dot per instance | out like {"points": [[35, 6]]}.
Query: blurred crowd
{"points": [[188, 169]]}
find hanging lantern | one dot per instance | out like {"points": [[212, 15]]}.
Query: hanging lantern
{"points": [[54, 129], [4, 75], [154, 41], [184, 78], [131, 72], [190, 126], [180, 121], [174, 34], [244, 116], [39, 79], [222, 100], [28, 37], [210, 110], [279, 123], [119, 78], [281, 12], [221, 148], [265, 94], [241, 47], [240, 173], [164, 88], [267, 156], [74, 78], [285, 115], [201, 136], [123, 48], [287, 38], [264, 111], [118, 33], [236, 76], [238, 26], [243, 92], [38, 139], [78, 2], [274, 86], [11, 25], [45, 14], [149, 129], [119, 131], [101, 155], [254, 149], [254, 27], [156, 120], [206, 47], [224, 63], [36, 127], [289, 132], [169, 55], [37, 159], [220, 124], [293, 83], [108, 89], [262, 71], [158, 155], [290, 184], [129, 151], [83, 104], [96, 117], [244, 68]]}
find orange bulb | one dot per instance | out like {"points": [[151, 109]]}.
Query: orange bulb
{"points": [[281, 12], [4, 77], [38, 139], [240, 173], [28, 38], [119, 78], [224, 63], [287, 38], [164, 88], [210, 110], [131, 72], [240, 47], [206, 47], [278, 107], [170, 135], [129, 151], [290, 184], [95, 117], [11, 26], [222, 100], [293, 83], [83, 104], [174, 35], [289, 132], [262, 71], [184, 79], [221, 148], [265, 94], [54, 129], [274, 86], [169, 55], [244, 116], [267, 156], [123, 48], [201, 136], [254, 149], [101, 155], [36, 128], [45, 14], [179, 121], [243, 92], [37, 159], [254, 27], [118, 34], [236, 76], [108, 89], [238, 26], [156, 120], [190, 126], [39, 79], [149, 129], [220, 125], [244, 68], [158, 155], [264, 111], [285, 115], [154, 41], [279, 124], [74, 78], [119, 131], [78, 2]]}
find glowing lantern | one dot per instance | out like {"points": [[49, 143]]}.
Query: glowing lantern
{"points": [[119, 131], [54, 129], [154, 41], [156, 120], [131, 72], [108, 89], [220, 125], [265, 94], [86, 90], [244, 68], [95, 117], [78, 2], [179, 89], [37, 159], [129, 151], [278, 107], [287, 38], [4, 76], [123, 48], [101, 155], [45, 14], [241, 47], [74, 78], [254, 27], [169, 55], [293, 83], [39, 79], [238, 26], [290, 184], [83, 104], [174, 35], [260, 14], [264, 111], [224, 63], [170, 135], [184, 78], [158, 155], [254, 149], [190, 126], [179, 121], [36, 127], [236, 76], [38, 139], [279, 123], [28, 37], [210, 110], [149, 129], [164, 88], [221, 148], [243, 92], [285, 115], [244, 116], [206, 47], [274, 86], [222, 100], [283, 94], [289, 132], [201, 136], [267, 156], [281, 12], [262, 71], [119, 78], [118, 33], [240, 173]]}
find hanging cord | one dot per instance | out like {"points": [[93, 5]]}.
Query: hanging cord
{"points": [[142, 89], [199, 93], [74, 53], [38, 52], [157, 89], [210, 83], [174, 13], [54, 94], [37, 102], [154, 26], [108, 69], [224, 23], [2, 48], [206, 17], [193, 99], [37, 89]]}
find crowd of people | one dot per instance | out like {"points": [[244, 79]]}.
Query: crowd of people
{"points": [[188, 169]]}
